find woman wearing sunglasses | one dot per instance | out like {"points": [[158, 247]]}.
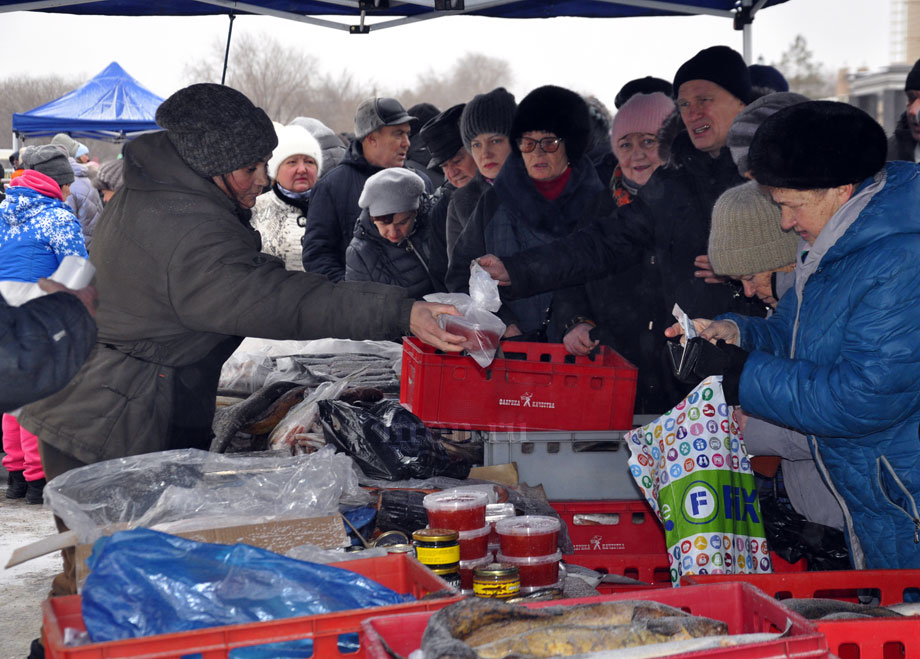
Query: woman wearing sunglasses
{"points": [[544, 188]]}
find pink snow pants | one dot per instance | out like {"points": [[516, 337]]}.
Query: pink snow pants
{"points": [[21, 448]]}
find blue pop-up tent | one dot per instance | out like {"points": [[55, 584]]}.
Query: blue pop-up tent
{"points": [[111, 106]]}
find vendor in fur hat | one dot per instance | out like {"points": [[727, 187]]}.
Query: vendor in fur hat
{"points": [[839, 361], [280, 215]]}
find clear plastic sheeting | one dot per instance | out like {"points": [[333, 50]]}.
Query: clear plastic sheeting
{"points": [[189, 484], [257, 362], [146, 583]]}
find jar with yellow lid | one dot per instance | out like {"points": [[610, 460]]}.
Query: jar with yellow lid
{"points": [[439, 551], [496, 581]]}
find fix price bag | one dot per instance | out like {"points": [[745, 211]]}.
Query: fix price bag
{"points": [[695, 473]]}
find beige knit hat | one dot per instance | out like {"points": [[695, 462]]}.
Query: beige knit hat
{"points": [[746, 236]]}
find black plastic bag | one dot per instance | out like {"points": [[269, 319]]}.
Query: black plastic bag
{"points": [[793, 537], [387, 441]]}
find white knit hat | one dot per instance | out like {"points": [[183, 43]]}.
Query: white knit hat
{"points": [[291, 141]]}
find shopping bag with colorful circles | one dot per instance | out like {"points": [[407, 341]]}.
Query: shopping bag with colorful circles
{"points": [[692, 467]]}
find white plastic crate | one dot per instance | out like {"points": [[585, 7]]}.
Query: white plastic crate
{"points": [[569, 465]]}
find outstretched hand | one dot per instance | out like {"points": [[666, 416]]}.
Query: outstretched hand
{"points": [[496, 269], [423, 323], [711, 330], [705, 272]]}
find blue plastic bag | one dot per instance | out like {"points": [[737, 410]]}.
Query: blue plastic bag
{"points": [[145, 583]]}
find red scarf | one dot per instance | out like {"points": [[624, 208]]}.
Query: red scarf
{"points": [[552, 189], [39, 182]]}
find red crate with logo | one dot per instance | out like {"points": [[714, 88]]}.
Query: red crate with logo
{"points": [[868, 638], [744, 609], [626, 538], [535, 386]]}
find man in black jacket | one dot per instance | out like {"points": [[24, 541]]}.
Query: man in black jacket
{"points": [[442, 137], [669, 221], [381, 141], [904, 143]]}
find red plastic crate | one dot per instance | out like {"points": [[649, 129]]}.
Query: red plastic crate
{"points": [[396, 571], [888, 585], [651, 568], [544, 389], [625, 537], [612, 527], [875, 638], [879, 638], [743, 608]]}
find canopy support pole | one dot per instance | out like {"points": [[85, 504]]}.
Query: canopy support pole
{"points": [[223, 76]]}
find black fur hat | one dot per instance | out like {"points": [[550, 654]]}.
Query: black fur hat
{"points": [[555, 110], [817, 145]]}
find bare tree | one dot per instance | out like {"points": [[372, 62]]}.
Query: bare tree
{"points": [[282, 80], [805, 75], [22, 93], [470, 75]]}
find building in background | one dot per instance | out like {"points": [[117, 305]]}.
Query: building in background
{"points": [[881, 93]]}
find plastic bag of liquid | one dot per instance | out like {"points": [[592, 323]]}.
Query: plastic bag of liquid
{"points": [[144, 583], [480, 326]]}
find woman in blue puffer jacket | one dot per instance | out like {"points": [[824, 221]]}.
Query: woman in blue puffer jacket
{"points": [[37, 230], [840, 359]]}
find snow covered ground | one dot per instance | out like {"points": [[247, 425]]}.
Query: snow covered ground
{"points": [[22, 588]]}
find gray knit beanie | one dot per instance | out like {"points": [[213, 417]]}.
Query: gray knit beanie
{"points": [[70, 144], [392, 190], [51, 160], [487, 113], [111, 175], [746, 236], [746, 123], [216, 129]]}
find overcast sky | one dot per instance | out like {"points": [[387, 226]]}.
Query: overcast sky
{"points": [[588, 55]]}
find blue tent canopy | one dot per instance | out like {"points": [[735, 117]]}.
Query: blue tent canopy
{"points": [[110, 106]]}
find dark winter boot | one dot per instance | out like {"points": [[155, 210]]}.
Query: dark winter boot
{"points": [[36, 650], [15, 485], [34, 491]]}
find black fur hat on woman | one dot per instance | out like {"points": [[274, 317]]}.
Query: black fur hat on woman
{"points": [[555, 110], [817, 145]]}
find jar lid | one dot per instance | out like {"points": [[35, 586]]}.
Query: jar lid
{"points": [[391, 537], [475, 533], [435, 535], [496, 570], [441, 571], [529, 560], [399, 549], [455, 500], [527, 525], [476, 562]]}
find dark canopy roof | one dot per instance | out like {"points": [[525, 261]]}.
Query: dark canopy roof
{"points": [[110, 106], [412, 10]]}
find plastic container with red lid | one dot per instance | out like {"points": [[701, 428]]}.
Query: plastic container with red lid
{"points": [[530, 535], [535, 570], [474, 544], [460, 511]]}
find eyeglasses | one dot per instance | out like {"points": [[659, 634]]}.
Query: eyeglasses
{"points": [[547, 144]]}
